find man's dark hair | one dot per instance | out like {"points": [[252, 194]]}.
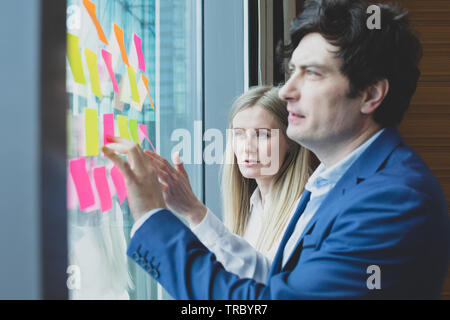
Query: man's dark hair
{"points": [[368, 55]]}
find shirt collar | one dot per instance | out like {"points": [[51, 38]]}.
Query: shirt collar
{"points": [[328, 177], [255, 198]]}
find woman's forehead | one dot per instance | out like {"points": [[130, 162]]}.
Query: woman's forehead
{"points": [[255, 117]]}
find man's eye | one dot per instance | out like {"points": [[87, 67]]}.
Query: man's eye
{"points": [[311, 73]]}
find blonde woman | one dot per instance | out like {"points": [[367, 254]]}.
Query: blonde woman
{"points": [[260, 187]]}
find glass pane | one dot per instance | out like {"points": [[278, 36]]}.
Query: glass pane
{"points": [[132, 70]]}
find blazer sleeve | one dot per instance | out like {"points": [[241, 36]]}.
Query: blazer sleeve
{"points": [[386, 227], [232, 251]]}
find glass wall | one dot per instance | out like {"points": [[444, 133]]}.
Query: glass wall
{"points": [[133, 70]]}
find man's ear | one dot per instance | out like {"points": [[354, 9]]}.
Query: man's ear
{"points": [[374, 95]]}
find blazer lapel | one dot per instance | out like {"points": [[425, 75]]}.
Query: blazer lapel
{"points": [[276, 264], [370, 161]]}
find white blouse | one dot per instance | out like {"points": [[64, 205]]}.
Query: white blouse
{"points": [[238, 255]]}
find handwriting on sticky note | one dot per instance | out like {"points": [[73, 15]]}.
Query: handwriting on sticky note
{"points": [[82, 183], [90, 7], [107, 57], [91, 131], [119, 183], [91, 59], [74, 57], [119, 36], [101, 183]]}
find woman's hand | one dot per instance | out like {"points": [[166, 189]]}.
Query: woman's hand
{"points": [[176, 188]]}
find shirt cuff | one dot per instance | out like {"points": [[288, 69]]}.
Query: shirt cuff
{"points": [[139, 222], [209, 229]]}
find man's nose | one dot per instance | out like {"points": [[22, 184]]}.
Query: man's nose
{"points": [[290, 91]]}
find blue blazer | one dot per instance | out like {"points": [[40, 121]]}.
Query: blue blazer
{"points": [[386, 220]]}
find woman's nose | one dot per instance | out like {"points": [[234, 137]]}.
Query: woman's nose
{"points": [[251, 143]]}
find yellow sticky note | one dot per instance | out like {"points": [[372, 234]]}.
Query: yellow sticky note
{"points": [[142, 95], [133, 85], [123, 127], [73, 54], [91, 59], [134, 130], [91, 131]]}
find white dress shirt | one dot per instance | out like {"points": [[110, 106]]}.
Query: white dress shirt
{"points": [[237, 254]]}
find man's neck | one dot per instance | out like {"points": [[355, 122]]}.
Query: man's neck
{"points": [[331, 155]]}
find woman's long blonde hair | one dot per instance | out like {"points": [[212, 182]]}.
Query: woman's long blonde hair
{"points": [[287, 185]]}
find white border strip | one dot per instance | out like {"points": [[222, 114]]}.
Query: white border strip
{"points": [[246, 48], [199, 52], [159, 293], [157, 76]]}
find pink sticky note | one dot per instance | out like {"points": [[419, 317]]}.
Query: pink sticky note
{"points": [[82, 183], [119, 183], [141, 135], [108, 126], [107, 57], [102, 188], [91, 163], [143, 131], [138, 44], [112, 188]]}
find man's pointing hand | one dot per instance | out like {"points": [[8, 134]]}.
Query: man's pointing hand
{"points": [[143, 189]]}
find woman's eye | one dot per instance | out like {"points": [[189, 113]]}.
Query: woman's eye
{"points": [[263, 133]]}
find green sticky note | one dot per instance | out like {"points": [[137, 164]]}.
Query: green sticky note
{"points": [[133, 84], [73, 54], [132, 123], [123, 127], [91, 131], [91, 59]]}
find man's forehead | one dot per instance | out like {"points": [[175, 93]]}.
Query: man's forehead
{"points": [[313, 49]]}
